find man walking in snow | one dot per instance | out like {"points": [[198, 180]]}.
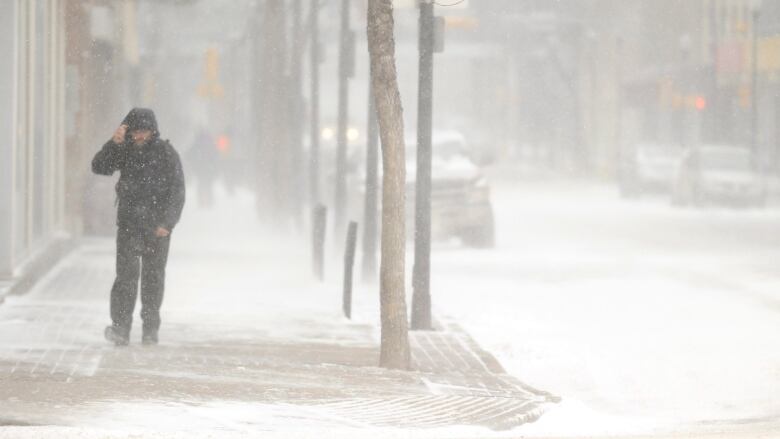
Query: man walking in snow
{"points": [[150, 196]]}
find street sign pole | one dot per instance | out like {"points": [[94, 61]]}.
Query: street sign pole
{"points": [[370, 211], [314, 119], [421, 294], [340, 201]]}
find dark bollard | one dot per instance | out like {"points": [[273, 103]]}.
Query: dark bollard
{"points": [[349, 263], [319, 226]]}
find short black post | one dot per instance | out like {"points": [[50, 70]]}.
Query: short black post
{"points": [[349, 263], [319, 226]]}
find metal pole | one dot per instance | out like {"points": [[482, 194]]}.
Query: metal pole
{"points": [[421, 276], [372, 189], [319, 227], [581, 149], [621, 149], [296, 115], [714, 127], [685, 85], [349, 263], [340, 202], [753, 90], [314, 152]]}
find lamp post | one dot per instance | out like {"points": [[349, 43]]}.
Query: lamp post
{"points": [[755, 6], [345, 73], [314, 117], [685, 87], [421, 272]]}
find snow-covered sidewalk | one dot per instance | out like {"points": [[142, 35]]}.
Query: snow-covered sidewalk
{"points": [[249, 343]]}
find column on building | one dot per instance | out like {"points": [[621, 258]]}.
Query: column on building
{"points": [[8, 43], [31, 140]]}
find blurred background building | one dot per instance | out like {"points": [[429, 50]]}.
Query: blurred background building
{"points": [[569, 84]]}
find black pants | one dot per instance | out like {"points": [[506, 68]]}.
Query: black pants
{"points": [[139, 253]]}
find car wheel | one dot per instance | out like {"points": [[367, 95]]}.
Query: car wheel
{"points": [[482, 236], [679, 197], [688, 194], [629, 187], [697, 199]]}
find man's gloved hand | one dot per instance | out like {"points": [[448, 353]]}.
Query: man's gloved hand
{"points": [[119, 134]]}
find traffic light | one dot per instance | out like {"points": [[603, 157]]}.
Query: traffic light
{"points": [[210, 86], [700, 103], [223, 144], [743, 95]]}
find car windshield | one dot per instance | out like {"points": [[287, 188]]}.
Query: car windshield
{"points": [[726, 161], [442, 149], [658, 151], [448, 149]]}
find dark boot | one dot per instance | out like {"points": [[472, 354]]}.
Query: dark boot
{"points": [[149, 337], [117, 335]]}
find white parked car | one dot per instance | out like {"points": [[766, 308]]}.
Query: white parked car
{"points": [[648, 167], [719, 174], [460, 191]]}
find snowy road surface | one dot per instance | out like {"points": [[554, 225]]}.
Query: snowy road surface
{"points": [[644, 318]]}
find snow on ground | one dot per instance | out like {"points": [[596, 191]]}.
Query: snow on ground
{"points": [[643, 318], [222, 264], [227, 280]]}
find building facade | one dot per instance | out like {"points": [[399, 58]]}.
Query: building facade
{"points": [[66, 81], [32, 174], [706, 72]]}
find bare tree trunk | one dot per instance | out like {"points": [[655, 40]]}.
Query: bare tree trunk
{"points": [[296, 115], [272, 154], [314, 118], [395, 351]]}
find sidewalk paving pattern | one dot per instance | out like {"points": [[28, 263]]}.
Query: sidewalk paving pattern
{"points": [[55, 369]]}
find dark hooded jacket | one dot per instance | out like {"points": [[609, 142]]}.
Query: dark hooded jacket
{"points": [[150, 191]]}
